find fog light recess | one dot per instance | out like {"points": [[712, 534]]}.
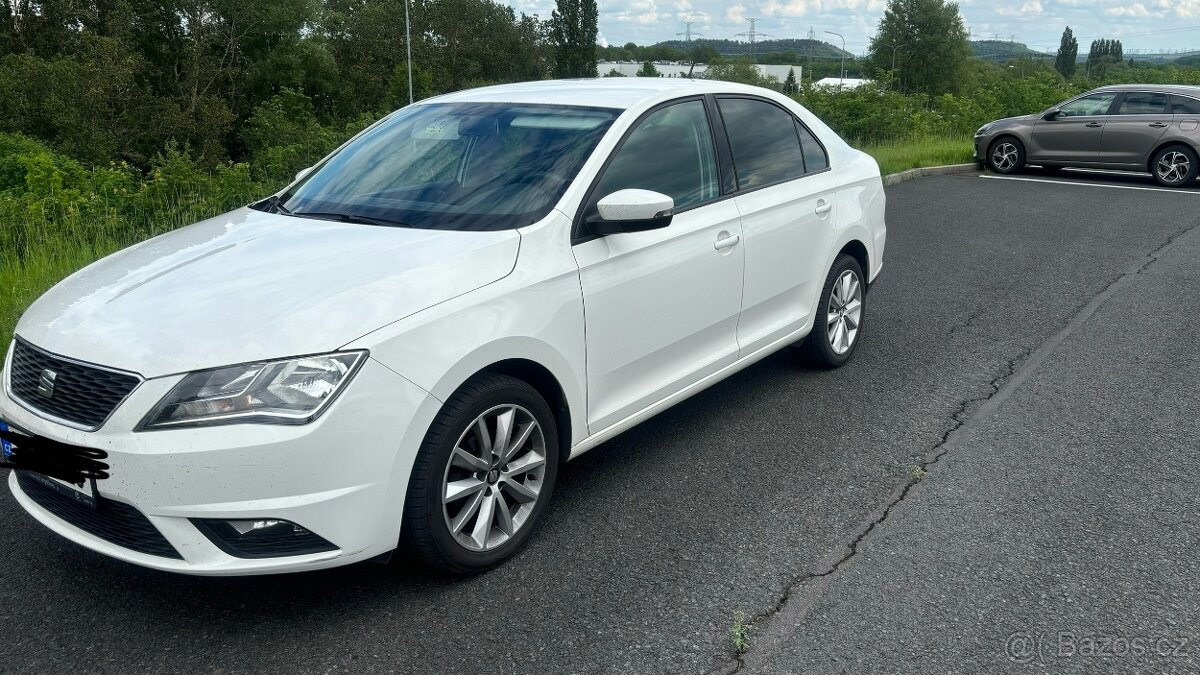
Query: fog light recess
{"points": [[262, 538]]}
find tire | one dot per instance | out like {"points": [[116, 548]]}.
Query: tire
{"points": [[1006, 155], [1175, 166], [428, 526], [825, 346]]}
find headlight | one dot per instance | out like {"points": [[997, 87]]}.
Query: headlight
{"points": [[983, 129], [291, 391]]}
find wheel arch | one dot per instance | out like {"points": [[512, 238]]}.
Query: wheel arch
{"points": [[540, 378], [1163, 145], [858, 250]]}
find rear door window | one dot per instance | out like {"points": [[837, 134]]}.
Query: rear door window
{"points": [[1142, 103], [766, 148]]}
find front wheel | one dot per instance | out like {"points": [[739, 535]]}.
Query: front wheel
{"points": [[1175, 166], [1006, 156], [483, 476], [840, 314]]}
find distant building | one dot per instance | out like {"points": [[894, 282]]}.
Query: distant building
{"points": [[677, 69], [840, 83]]}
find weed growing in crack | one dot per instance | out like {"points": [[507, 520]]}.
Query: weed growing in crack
{"points": [[916, 473], [740, 633]]}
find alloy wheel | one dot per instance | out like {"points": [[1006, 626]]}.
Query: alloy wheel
{"points": [[494, 477], [845, 312], [1004, 156], [1173, 167]]}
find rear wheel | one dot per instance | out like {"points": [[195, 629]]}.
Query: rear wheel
{"points": [[838, 324], [1006, 155], [483, 476], [1175, 166]]}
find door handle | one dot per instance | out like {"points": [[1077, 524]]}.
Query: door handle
{"points": [[823, 207], [1093, 125], [1159, 125], [726, 242]]}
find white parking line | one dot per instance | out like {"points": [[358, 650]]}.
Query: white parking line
{"points": [[1096, 185]]}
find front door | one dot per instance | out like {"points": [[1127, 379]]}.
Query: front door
{"points": [[661, 307], [1074, 135], [1134, 128]]}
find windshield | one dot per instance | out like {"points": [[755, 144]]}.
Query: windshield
{"points": [[455, 166]]}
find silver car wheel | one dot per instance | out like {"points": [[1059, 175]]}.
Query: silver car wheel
{"points": [[1004, 156], [845, 312], [1173, 167], [494, 477]]}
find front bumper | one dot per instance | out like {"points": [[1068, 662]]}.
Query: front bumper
{"points": [[342, 477], [980, 146]]}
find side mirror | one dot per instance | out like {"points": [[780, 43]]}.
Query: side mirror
{"points": [[302, 173], [631, 210], [1051, 114]]}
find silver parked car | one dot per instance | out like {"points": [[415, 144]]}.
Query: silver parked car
{"points": [[1134, 127]]}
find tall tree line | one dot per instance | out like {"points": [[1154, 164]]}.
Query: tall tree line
{"points": [[120, 79]]}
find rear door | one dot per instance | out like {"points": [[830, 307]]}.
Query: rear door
{"points": [[1074, 136], [1139, 120], [786, 195]]}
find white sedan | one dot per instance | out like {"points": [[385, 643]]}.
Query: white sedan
{"points": [[404, 346]]}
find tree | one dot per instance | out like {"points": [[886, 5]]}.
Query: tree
{"points": [[648, 70], [740, 70], [789, 85], [1104, 53], [1068, 52], [935, 48], [573, 30], [615, 73]]}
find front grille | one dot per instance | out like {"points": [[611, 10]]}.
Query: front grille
{"points": [[82, 394], [114, 522]]}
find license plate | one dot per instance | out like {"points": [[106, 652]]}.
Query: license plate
{"points": [[84, 494], [5, 447]]}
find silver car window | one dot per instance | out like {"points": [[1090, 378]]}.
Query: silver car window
{"points": [[1142, 103], [1094, 104]]}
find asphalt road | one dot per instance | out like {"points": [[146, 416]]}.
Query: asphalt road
{"points": [[1031, 345]]}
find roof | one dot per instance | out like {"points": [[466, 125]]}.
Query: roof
{"points": [[605, 92], [1168, 88], [843, 82]]}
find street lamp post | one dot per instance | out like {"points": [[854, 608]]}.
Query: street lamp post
{"points": [[408, 49], [893, 47], [842, 72]]}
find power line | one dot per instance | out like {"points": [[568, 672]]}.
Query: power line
{"points": [[687, 32], [753, 34]]}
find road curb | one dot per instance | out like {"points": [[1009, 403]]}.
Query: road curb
{"points": [[948, 170]]}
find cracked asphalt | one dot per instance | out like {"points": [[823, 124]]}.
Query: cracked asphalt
{"points": [[1031, 346]]}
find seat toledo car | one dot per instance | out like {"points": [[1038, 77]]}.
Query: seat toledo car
{"points": [[1134, 127], [402, 348]]}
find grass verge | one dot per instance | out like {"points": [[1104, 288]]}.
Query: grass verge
{"points": [[913, 153]]}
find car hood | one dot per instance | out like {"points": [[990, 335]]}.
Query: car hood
{"points": [[249, 286], [1010, 121]]}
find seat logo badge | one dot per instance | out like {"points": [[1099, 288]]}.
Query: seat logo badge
{"points": [[46, 383]]}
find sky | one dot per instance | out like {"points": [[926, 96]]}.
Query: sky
{"points": [[1146, 25]]}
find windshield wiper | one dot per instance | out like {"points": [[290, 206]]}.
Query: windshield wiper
{"points": [[348, 218], [274, 204]]}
